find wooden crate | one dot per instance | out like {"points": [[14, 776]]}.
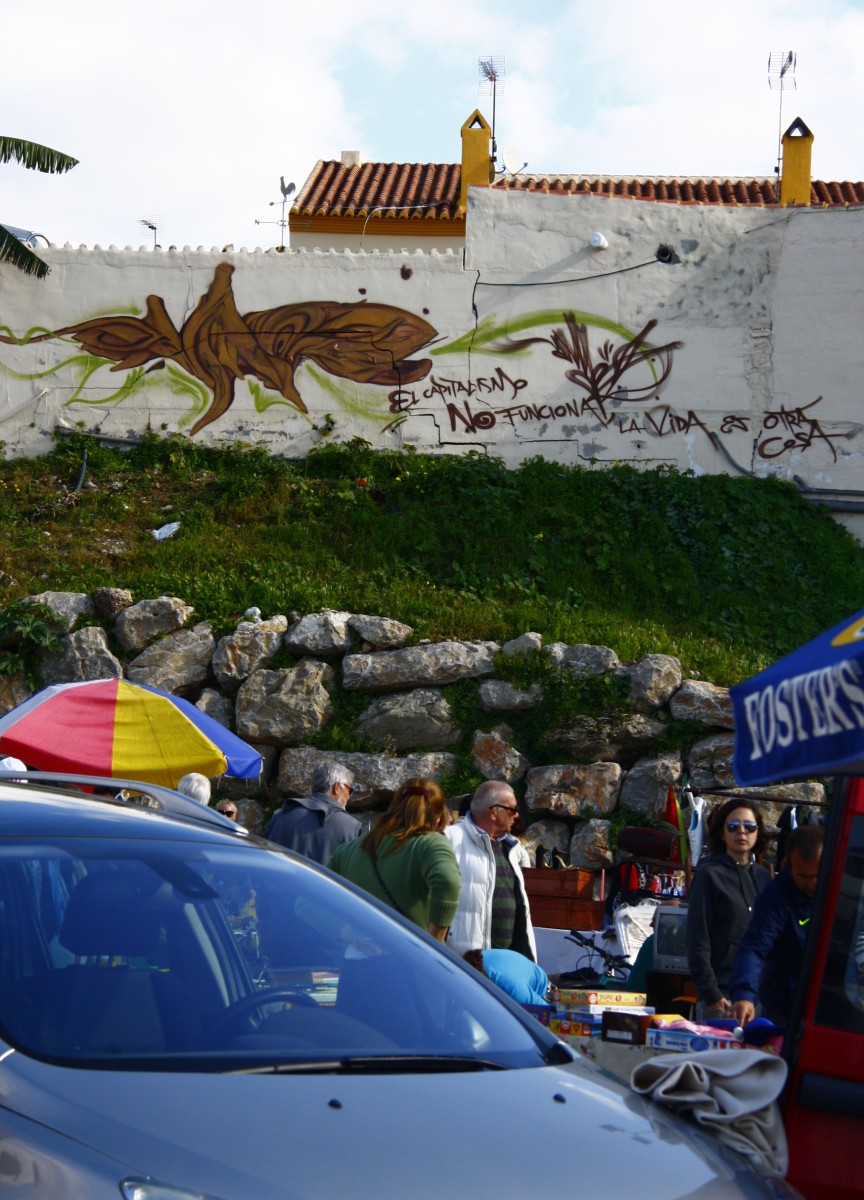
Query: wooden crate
{"points": [[572, 884], [563, 899]]}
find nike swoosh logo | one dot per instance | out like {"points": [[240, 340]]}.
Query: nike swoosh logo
{"points": [[806, 921]]}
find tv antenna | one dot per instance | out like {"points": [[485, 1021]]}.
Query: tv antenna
{"points": [[154, 224], [286, 190], [491, 78], [781, 78]]}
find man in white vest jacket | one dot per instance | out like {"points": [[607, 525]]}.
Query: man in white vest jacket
{"points": [[493, 908]]}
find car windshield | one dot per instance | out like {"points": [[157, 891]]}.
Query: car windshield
{"points": [[228, 957]]}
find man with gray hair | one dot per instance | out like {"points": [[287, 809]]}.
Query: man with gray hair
{"points": [[315, 825], [493, 908], [196, 787]]}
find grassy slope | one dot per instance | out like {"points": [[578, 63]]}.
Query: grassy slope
{"points": [[727, 573]]}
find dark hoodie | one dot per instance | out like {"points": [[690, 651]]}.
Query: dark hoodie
{"points": [[718, 913], [771, 956], [313, 826]]}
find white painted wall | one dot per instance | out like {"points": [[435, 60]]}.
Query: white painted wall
{"points": [[766, 308]]}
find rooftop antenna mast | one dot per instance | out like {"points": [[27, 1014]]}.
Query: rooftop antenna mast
{"points": [[491, 78], [154, 224], [781, 78]]}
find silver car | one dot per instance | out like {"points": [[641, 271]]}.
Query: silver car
{"points": [[187, 1013]]}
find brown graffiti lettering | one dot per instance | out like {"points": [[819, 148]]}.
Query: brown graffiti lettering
{"points": [[445, 388], [662, 421], [801, 432], [732, 422]]}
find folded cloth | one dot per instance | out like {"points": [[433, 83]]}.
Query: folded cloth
{"points": [[731, 1092]]}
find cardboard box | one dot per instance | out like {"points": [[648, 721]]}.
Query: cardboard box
{"points": [[573, 997], [625, 1027], [686, 1040], [565, 1027], [599, 1009]]}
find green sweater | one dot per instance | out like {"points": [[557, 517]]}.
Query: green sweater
{"points": [[422, 875]]}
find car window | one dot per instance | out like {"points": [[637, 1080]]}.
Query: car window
{"points": [[116, 951], [841, 995]]}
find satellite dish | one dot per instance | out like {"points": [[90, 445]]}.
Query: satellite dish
{"points": [[511, 160]]}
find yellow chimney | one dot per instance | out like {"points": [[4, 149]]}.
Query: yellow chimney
{"points": [[476, 154], [797, 152]]}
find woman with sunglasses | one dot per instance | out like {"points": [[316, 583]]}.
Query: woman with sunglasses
{"points": [[725, 884], [405, 860]]}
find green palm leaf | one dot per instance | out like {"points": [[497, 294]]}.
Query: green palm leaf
{"points": [[35, 157], [13, 251]]}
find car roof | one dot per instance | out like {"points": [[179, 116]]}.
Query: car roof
{"points": [[39, 804]]}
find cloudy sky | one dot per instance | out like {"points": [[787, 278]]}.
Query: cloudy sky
{"points": [[189, 111]]}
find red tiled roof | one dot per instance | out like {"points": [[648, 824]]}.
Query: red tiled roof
{"points": [[731, 191], [403, 190], [430, 191]]}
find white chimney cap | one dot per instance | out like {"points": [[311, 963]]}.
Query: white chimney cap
{"points": [[350, 158]]}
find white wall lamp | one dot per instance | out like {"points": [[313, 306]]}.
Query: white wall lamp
{"points": [[598, 242]]}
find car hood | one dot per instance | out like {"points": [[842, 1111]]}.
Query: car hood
{"points": [[510, 1133]]}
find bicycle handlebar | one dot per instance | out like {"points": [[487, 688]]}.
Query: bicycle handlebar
{"points": [[613, 961]]}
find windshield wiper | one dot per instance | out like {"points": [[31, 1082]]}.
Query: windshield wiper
{"points": [[373, 1064]]}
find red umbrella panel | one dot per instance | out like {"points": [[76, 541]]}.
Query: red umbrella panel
{"points": [[125, 730]]}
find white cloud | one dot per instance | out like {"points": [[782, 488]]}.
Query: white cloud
{"points": [[192, 111]]}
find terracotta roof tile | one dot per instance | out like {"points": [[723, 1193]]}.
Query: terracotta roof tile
{"points": [[415, 189], [730, 191], [430, 191]]}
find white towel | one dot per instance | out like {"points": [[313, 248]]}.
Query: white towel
{"points": [[731, 1092]]}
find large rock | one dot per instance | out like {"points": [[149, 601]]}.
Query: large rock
{"points": [[85, 655], [418, 666], [652, 679], [281, 708], [374, 774], [528, 643], [380, 633], [624, 736], [178, 663], [66, 606], [646, 784], [568, 790], [494, 757], [590, 846], [421, 718], [251, 647], [217, 706], [709, 762], [583, 659], [696, 700], [323, 635], [496, 695], [14, 690], [549, 833], [110, 601], [137, 625]]}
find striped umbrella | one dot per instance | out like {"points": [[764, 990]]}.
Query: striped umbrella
{"points": [[126, 730]]}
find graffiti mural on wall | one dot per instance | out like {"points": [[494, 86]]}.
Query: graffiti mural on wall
{"points": [[216, 346], [634, 371], [613, 384]]}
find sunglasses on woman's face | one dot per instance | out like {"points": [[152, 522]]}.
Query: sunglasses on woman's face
{"points": [[749, 826]]}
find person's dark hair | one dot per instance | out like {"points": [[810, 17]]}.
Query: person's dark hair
{"points": [[719, 816], [474, 958], [806, 841], [418, 806]]}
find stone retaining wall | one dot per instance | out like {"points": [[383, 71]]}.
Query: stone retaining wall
{"points": [[606, 762]]}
